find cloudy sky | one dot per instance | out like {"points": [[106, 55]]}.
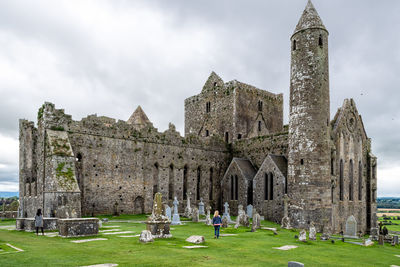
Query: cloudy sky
{"points": [[107, 57]]}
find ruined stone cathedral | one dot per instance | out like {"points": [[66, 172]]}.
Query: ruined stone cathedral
{"points": [[235, 149]]}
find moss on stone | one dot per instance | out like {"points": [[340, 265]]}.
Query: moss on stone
{"points": [[66, 177]]}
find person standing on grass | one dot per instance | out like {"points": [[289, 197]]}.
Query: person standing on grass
{"points": [[217, 222], [39, 221]]}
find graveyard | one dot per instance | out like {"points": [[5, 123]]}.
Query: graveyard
{"points": [[118, 242]]}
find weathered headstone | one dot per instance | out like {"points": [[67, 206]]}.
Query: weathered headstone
{"points": [[208, 216], [285, 223], [256, 224], [188, 209], [226, 212], [395, 240], [201, 207], [374, 234], [313, 232], [295, 264], [242, 218], [195, 215], [381, 240], [250, 211], [176, 220], [168, 212], [224, 222], [303, 236], [157, 223], [146, 236], [368, 243], [351, 227]]}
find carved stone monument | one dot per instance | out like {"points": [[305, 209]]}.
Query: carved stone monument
{"points": [[157, 223], [188, 209], [351, 227], [303, 236], [176, 220], [208, 216], [168, 212], [256, 224], [224, 222], [242, 218], [250, 211], [195, 215], [201, 207], [313, 232], [285, 223], [226, 212]]}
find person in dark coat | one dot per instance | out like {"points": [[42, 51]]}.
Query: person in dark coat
{"points": [[39, 221], [217, 222]]}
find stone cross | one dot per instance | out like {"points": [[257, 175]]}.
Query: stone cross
{"points": [[188, 209], [226, 212], [176, 220], [201, 207]]}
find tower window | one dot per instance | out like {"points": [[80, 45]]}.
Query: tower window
{"points": [[294, 47], [351, 182], [341, 180], [215, 84], [320, 42], [232, 188], [359, 181], [271, 186], [259, 126], [226, 137], [208, 107], [302, 161], [207, 133], [265, 186], [239, 136], [260, 105]]}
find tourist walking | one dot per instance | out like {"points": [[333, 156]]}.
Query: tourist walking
{"points": [[217, 222], [39, 221]]}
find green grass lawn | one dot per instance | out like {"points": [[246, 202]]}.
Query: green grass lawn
{"points": [[245, 249], [392, 227]]}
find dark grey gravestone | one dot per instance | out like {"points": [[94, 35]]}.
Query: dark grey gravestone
{"points": [[396, 239], [295, 264], [381, 240]]}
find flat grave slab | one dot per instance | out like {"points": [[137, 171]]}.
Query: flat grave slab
{"points": [[109, 230], [88, 240], [191, 247], [110, 226], [228, 234], [102, 265], [286, 247], [128, 235], [118, 233]]}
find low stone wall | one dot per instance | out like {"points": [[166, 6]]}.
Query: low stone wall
{"points": [[78, 227], [28, 224], [9, 214]]}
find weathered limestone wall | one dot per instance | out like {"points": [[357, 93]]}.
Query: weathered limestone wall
{"points": [[352, 184], [236, 110]]}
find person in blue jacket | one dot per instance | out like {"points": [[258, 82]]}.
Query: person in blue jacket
{"points": [[217, 222]]}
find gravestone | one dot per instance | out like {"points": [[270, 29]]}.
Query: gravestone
{"points": [[195, 215], [295, 264], [381, 240], [303, 236], [168, 212], [351, 227], [201, 207], [395, 239], [188, 209], [146, 237], [226, 212], [374, 234], [176, 220], [157, 223], [256, 224], [224, 222], [313, 232], [208, 216], [250, 211], [285, 223], [196, 239], [242, 218]]}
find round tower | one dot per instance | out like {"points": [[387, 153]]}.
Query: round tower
{"points": [[309, 180]]}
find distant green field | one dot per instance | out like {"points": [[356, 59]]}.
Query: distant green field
{"points": [[245, 249]]}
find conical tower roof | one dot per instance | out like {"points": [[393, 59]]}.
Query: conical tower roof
{"points": [[310, 19], [138, 117]]}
